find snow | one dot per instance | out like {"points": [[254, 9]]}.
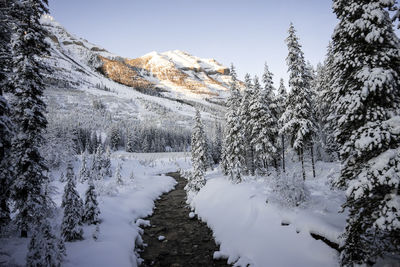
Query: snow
{"points": [[73, 60], [161, 238], [248, 220], [121, 214], [192, 215]]}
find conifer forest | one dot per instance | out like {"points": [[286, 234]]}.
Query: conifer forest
{"points": [[171, 159]]}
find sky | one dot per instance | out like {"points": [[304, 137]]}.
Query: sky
{"points": [[246, 33]]}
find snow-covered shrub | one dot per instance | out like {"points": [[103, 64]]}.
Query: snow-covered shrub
{"points": [[290, 190]]}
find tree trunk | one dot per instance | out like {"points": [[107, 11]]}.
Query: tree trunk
{"points": [[283, 153], [302, 164], [312, 160]]}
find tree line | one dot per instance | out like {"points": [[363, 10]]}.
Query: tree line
{"points": [[347, 110]]}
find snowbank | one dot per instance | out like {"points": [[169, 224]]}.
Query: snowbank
{"points": [[254, 228], [120, 212]]}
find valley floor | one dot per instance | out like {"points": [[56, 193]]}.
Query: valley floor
{"points": [[252, 221]]}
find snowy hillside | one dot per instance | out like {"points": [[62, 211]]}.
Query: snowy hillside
{"points": [[169, 84]]}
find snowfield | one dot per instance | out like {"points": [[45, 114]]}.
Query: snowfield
{"points": [[255, 227], [121, 209], [252, 224]]}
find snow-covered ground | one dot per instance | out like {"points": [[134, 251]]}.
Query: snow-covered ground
{"points": [[255, 226], [121, 208]]}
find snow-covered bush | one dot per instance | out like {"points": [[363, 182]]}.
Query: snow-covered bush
{"points": [[290, 190]]}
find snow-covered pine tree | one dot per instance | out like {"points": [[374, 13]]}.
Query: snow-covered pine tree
{"points": [[310, 77], [264, 131], [97, 163], [84, 173], [296, 121], [73, 207], [247, 99], [44, 248], [6, 130], [224, 157], [280, 100], [216, 145], [91, 209], [145, 145], [326, 109], [367, 81], [199, 157], [274, 113], [130, 143], [117, 176], [233, 141], [28, 45], [106, 162], [115, 138], [198, 144]]}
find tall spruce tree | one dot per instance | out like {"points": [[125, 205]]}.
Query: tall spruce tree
{"points": [[6, 129], [245, 118], [115, 138], [84, 173], [198, 143], [366, 82], [297, 120], [233, 141], [264, 130], [27, 46], [117, 176], [273, 115], [199, 156], [91, 209], [73, 209], [44, 248], [325, 115], [281, 107], [131, 141], [106, 162]]}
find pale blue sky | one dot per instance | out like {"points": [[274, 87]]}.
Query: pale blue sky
{"points": [[247, 33]]}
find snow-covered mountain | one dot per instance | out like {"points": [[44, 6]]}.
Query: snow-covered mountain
{"points": [[169, 83]]}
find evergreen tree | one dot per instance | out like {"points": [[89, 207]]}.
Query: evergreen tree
{"points": [[199, 156], [198, 143], [145, 145], [115, 138], [325, 108], [281, 107], [297, 120], [263, 136], [106, 162], [130, 143], [117, 176], [224, 158], [6, 129], [97, 163], [366, 83], [71, 225], [84, 173], [44, 248], [28, 46], [91, 210], [233, 141], [273, 115], [310, 78], [216, 145], [245, 117]]}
